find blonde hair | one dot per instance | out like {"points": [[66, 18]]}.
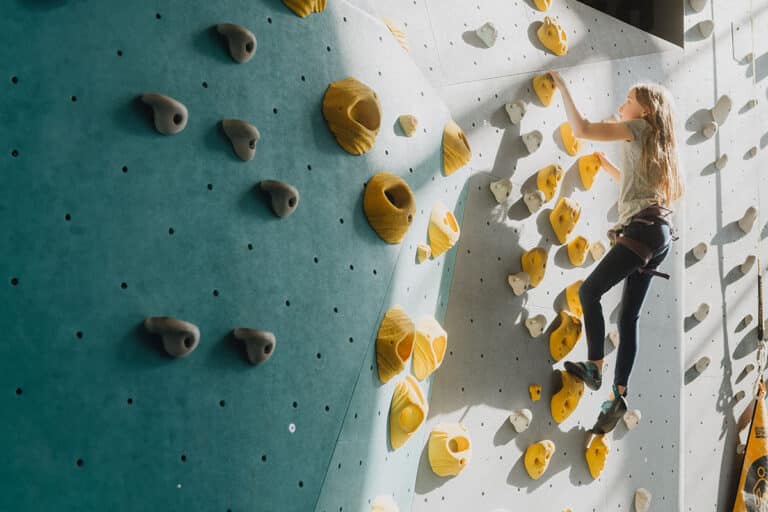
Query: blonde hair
{"points": [[659, 155]]}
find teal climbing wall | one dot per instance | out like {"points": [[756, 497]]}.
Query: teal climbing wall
{"points": [[107, 222]]}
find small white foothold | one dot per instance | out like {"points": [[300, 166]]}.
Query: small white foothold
{"points": [[700, 250], [632, 418], [534, 200], [709, 129], [748, 219], [515, 111], [521, 419], [701, 312], [597, 250], [614, 337], [536, 325], [487, 34], [752, 152], [739, 396], [749, 368], [747, 319], [752, 103], [533, 140], [519, 282], [748, 264], [721, 162], [698, 5], [702, 364], [706, 27], [721, 109], [501, 190], [642, 500]]}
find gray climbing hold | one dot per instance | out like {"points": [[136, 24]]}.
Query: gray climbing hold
{"points": [[259, 345], [170, 115], [179, 337], [285, 198], [242, 42], [243, 136]]}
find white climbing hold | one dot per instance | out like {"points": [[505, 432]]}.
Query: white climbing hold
{"points": [[614, 337], [747, 319], [739, 396], [721, 109], [536, 325], [533, 140], [706, 27], [701, 312], [597, 250], [534, 200], [709, 129], [519, 282], [721, 162], [632, 418], [408, 123], [749, 368], [384, 504], [487, 34], [748, 219], [501, 190], [752, 103], [752, 152], [700, 250], [697, 5], [748, 264], [643, 497], [515, 111], [702, 364], [521, 419]]}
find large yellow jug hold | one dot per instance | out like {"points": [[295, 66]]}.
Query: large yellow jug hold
{"points": [[407, 411], [394, 343], [456, 150], [553, 37], [564, 338], [544, 87], [542, 5], [534, 263], [304, 8], [353, 113], [597, 454], [429, 349], [537, 458], [571, 144], [564, 402], [588, 167], [572, 298], [443, 229], [577, 250], [389, 206], [564, 217], [548, 178], [449, 449]]}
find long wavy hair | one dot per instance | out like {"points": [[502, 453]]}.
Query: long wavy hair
{"points": [[659, 155]]}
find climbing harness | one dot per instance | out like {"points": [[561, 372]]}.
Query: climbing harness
{"points": [[654, 214]]}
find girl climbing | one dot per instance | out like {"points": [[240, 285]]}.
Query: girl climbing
{"points": [[649, 184]]}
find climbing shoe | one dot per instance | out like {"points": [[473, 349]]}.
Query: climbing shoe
{"points": [[587, 371], [611, 411]]}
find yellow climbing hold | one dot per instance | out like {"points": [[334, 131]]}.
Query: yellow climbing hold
{"points": [[564, 338], [597, 454], [304, 8], [449, 449], [572, 298], [545, 88], [394, 343], [456, 150], [570, 142], [548, 178], [542, 5], [423, 251], [564, 217], [389, 206], [577, 250], [534, 263], [535, 391], [537, 458], [553, 37], [407, 411], [564, 402], [353, 113], [588, 167], [397, 32], [429, 349], [443, 229]]}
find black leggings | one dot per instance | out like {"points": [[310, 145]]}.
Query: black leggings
{"points": [[619, 263]]}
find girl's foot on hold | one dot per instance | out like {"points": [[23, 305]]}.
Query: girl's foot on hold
{"points": [[611, 411], [587, 371]]}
